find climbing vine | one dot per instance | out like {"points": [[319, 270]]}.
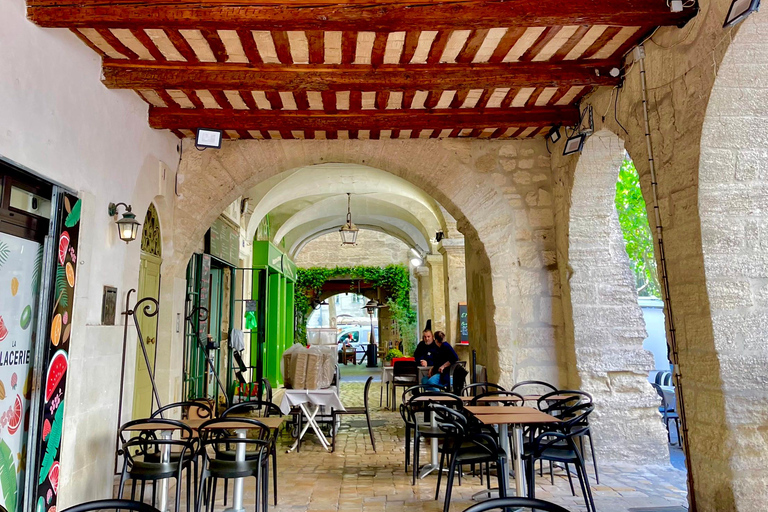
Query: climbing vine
{"points": [[638, 240], [395, 280]]}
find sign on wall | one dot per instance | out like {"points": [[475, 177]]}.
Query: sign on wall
{"points": [[56, 354], [463, 324], [20, 263]]}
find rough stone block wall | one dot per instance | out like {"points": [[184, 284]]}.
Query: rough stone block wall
{"points": [[733, 206], [608, 326], [373, 249]]}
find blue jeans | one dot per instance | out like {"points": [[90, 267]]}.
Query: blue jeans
{"points": [[432, 382]]}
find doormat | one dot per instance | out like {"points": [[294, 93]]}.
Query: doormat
{"points": [[659, 509]]}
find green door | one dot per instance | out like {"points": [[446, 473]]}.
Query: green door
{"points": [[149, 286]]}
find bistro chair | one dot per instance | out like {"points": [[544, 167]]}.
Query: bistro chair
{"points": [[409, 417], [515, 503], [533, 387], [464, 446], [218, 448], [405, 374], [426, 430], [558, 445], [500, 397], [354, 410], [193, 409], [144, 454], [93, 506], [480, 387], [259, 409]]}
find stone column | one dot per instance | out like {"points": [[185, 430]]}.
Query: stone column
{"points": [[452, 250], [425, 297], [437, 275]]}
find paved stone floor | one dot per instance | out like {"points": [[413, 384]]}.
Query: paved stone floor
{"points": [[355, 479]]}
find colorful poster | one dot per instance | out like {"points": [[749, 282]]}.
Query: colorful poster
{"points": [[56, 357], [20, 263]]}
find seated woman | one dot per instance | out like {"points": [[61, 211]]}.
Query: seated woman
{"points": [[439, 374]]}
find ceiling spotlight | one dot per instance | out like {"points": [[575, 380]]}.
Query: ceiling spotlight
{"points": [[416, 262], [439, 236], [349, 231], [554, 134], [208, 138], [739, 10], [574, 144]]}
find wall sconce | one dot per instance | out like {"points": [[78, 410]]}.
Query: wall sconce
{"points": [[128, 226]]}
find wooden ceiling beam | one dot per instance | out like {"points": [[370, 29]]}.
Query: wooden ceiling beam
{"points": [[178, 118], [370, 15], [122, 74]]}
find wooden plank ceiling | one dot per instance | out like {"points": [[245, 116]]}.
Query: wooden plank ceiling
{"points": [[366, 69]]}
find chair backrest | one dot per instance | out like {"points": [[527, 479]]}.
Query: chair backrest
{"points": [[405, 368], [262, 409], [480, 387], [555, 402], [89, 506], [414, 391], [193, 409], [366, 390], [499, 397], [449, 420], [514, 503], [423, 400], [535, 386], [217, 435], [148, 442], [458, 373]]}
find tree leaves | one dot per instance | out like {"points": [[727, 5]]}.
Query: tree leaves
{"points": [[638, 240], [52, 448], [74, 215], [37, 270], [62, 287], [8, 476]]}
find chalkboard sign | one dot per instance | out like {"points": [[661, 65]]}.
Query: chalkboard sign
{"points": [[463, 324], [223, 241]]}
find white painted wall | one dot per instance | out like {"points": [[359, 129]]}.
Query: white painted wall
{"points": [[59, 121]]}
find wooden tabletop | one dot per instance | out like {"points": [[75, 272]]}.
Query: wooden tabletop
{"points": [[521, 416], [271, 422], [497, 409]]}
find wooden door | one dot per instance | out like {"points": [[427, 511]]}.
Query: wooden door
{"points": [[149, 286]]}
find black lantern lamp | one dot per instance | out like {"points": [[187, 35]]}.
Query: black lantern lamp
{"points": [[128, 226], [349, 231]]}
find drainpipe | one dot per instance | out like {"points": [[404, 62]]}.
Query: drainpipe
{"points": [[639, 55]]}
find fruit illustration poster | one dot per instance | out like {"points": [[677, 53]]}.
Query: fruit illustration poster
{"points": [[57, 341], [20, 262]]}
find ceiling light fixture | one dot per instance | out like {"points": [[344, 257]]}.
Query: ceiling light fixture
{"points": [[208, 138], [349, 231], [554, 134], [739, 11], [574, 144]]}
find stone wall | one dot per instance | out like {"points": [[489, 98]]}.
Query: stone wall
{"points": [[373, 249], [733, 206], [608, 326]]}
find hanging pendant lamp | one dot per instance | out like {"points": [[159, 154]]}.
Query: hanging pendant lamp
{"points": [[349, 231]]}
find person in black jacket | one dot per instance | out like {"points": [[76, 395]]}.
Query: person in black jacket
{"points": [[425, 350], [444, 357]]}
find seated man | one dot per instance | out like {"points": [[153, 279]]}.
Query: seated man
{"points": [[425, 350], [444, 357]]}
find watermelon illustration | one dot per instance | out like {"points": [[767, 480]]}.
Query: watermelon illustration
{"points": [[63, 246], [56, 372], [53, 476], [46, 429]]}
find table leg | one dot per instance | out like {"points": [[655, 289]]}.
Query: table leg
{"points": [[165, 456], [434, 463], [310, 416], [519, 472], [237, 490]]}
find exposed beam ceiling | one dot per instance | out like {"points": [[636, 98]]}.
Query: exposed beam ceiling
{"points": [[123, 74], [437, 119], [371, 15]]}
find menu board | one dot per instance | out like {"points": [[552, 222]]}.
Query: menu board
{"points": [[463, 324], [223, 241]]}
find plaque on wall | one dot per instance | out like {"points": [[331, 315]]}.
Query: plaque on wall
{"points": [[463, 324], [108, 305]]}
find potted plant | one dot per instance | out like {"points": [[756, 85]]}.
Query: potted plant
{"points": [[391, 354]]}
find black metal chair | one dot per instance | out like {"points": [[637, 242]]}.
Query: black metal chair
{"points": [[463, 446], [498, 397], [216, 436], [480, 387], [149, 458], [421, 402], [259, 409], [192, 408], [536, 387], [558, 445], [515, 503], [93, 506], [405, 374], [357, 411]]}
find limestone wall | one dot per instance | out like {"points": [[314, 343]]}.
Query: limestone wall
{"points": [[373, 249]]}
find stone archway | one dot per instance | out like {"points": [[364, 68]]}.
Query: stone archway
{"points": [[733, 208], [608, 326], [471, 180]]}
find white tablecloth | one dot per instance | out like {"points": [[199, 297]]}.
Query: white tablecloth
{"points": [[323, 397], [387, 371]]}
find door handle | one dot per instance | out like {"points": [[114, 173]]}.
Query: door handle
{"points": [[151, 341]]}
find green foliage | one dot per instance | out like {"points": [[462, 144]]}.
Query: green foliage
{"points": [[392, 353], [62, 286], [638, 239], [395, 280]]}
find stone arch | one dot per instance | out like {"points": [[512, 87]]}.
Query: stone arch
{"points": [[733, 209], [447, 170], [608, 326]]}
